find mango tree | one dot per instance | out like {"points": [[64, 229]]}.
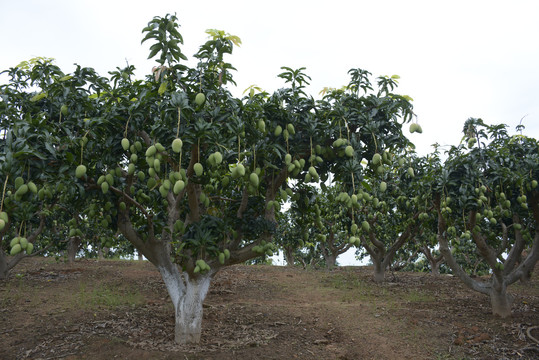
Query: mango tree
{"points": [[190, 175], [30, 186], [332, 223], [425, 240], [387, 211], [294, 225], [487, 197]]}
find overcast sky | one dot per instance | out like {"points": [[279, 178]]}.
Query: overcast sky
{"points": [[456, 59]]}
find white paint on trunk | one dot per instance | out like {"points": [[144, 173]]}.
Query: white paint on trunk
{"points": [[187, 295], [189, 309], [172, 279]]}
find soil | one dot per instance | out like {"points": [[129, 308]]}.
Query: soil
{"points": [[120, 310]]}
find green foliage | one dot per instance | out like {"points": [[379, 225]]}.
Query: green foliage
{"points": [[82, 137], [488, 207]]}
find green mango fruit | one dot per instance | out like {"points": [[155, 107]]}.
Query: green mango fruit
{"points": [[365, 225], [253, 178], [178, 186], [241, 170], [15, 249], [109, 178], [198, 168], [151, 183], [288, 159], [19, 181], [14, 241], [200, 98], [22, 190], [125, 144], [159, 147], [261, 125], [32, 187], [291, 129], [177, 145], [151, 151], [218, 157]]}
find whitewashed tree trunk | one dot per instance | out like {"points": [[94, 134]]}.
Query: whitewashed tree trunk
{"points": [[187, 295]]}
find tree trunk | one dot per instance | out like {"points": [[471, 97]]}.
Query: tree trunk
{"points": [[435, 267], [4, 269], [72, 249], [289, 256], [6, 266], [187, 295], [379, 270], [331, 260], [501, 302], [525, 277], [100, 255]]}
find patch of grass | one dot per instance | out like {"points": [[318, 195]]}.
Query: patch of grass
{"points": [[106, 296], [14, 291], [443, 356], [353, 288], [417, 296]]}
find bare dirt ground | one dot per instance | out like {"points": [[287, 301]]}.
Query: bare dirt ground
{"points": [[120, 310]]}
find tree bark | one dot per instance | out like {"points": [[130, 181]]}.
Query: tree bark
{"points": [[5, 265], [73, 246], [289, 256], [435, 267], [186, 292], [331, 260], [434, 261], [329, 256], [501, 302], [4, 270], [187, 295], [379, 270]]}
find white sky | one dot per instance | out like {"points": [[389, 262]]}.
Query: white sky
{"points": [[457, 59]]}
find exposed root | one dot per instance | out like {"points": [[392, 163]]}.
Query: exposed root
{"points": [[529, 333]]}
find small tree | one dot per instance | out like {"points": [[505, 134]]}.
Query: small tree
{"points": [[332, 221], [488, 197], [388, 213]]}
